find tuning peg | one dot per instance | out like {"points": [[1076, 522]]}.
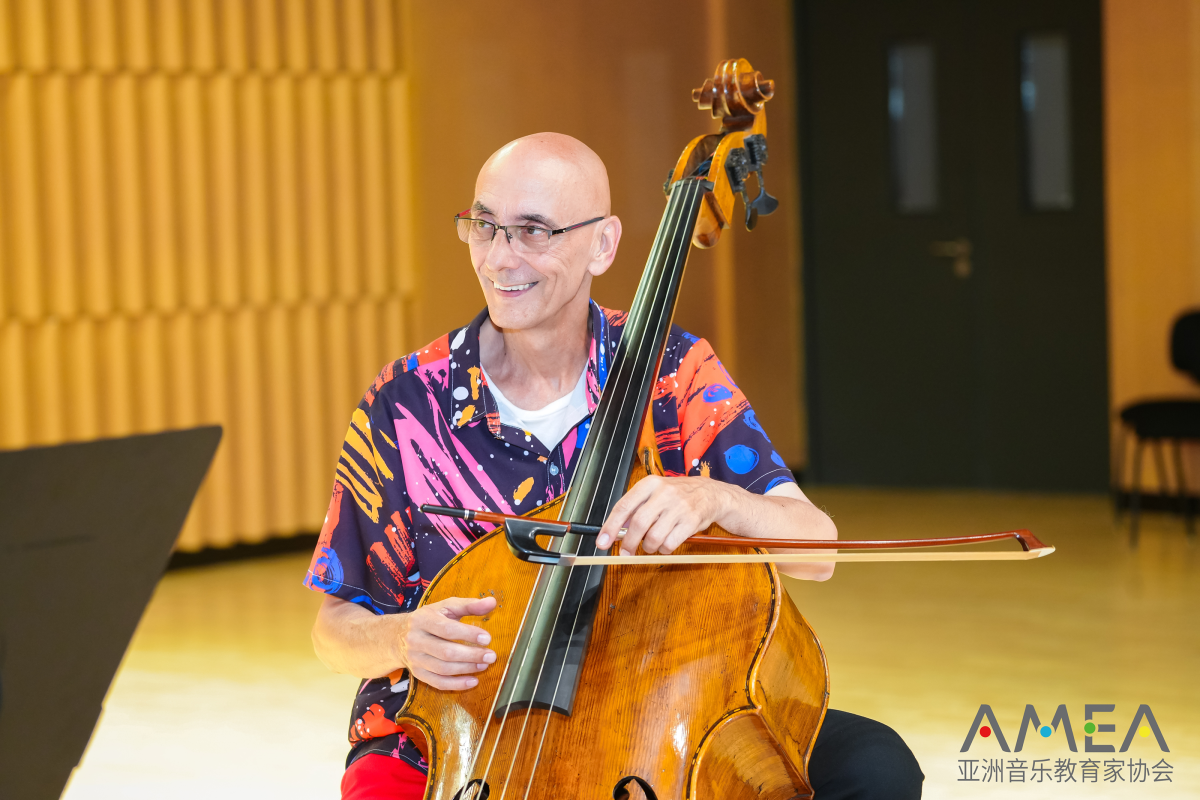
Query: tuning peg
{"points": [[737, 167], [751, 216], [756, 148], [764, 204]]}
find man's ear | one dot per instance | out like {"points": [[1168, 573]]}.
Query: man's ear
{"points": [[604, 246]]}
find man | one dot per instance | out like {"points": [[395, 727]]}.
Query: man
{"points": [[493, 416]]}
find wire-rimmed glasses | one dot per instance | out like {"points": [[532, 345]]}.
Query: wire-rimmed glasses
{"points": [[528, 238]]}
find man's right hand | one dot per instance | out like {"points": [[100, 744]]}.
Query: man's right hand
{"points": [[433, 643]]}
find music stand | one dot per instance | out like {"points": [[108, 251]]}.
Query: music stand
{"points": [[85, 534]]}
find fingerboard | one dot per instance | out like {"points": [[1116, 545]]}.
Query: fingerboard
{"points": [[554, 642]]}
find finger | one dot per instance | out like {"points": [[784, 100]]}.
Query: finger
{"points": [[456, 607], [655, 518], [445, 628], [437, 666], [618, 518], [678, 535], [607, 544], [656, 531], [423, 642], [641, 522], [683, 525], [616, 525], [663, 528], [446, 684]]}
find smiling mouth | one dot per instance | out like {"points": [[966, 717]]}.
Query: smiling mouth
{"points": [[520, 287]]}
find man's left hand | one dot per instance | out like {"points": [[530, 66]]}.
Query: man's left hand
{"points": [[661, 513]]}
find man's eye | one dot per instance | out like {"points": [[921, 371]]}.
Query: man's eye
{"points": [[535, 232], [481, 224]]}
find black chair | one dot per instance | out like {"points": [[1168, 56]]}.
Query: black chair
{"points": [[1167, 421]]}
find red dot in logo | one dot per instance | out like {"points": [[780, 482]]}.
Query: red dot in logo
{"points": [[985, 731]]}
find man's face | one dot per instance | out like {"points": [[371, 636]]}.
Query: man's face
{"points": [[524, 289]]}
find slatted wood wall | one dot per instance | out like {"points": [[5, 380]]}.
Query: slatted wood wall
{"points": [[202, 216]]}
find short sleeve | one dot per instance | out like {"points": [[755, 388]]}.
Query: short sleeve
{"points": [[365, 550], [720, 435]]}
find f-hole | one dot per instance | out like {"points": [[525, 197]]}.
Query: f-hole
{"points": [[474, 790], [621, 792]]}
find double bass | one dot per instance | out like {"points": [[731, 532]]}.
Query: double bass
{"points": [[691, 675]]}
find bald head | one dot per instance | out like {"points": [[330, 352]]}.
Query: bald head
{"points": [[554, 182], [550, 168]]}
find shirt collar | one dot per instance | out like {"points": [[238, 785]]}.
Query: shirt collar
{"points": [[469, 398]]}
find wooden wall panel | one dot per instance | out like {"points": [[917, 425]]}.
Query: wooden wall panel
{"points": [[15, 428], [135, 36], [61, 261], [161, 193], [263, 37], [210, 202], [46, 370], [101, 34], [1152, 175], [252, 169], [93, 196], [201, 32], [32, 34], [24, 204], [197, 225], [8, 56], [116, 364], [5, 217], [83, 376], [279, 402], [127, 181], [194, 194]]}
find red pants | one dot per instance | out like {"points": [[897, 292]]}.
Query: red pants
{"points": [[376, 777]]}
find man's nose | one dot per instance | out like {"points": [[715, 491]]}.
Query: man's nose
{"points": [[503, 235], [501, 253]]}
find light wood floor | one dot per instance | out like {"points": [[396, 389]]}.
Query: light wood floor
{"points": [[221, 697]]}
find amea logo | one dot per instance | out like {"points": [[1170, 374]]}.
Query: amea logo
{"points": [[1143, 724]]}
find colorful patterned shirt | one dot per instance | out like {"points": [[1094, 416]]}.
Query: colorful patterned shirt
{"points": [[428, 431]]}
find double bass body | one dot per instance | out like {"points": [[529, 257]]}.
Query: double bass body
{"points": [[705, 684]]}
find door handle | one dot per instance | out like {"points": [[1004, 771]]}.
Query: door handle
{"points": [[958, 249]]}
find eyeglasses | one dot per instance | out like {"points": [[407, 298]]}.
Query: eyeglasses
{"points": [[528, 238]]}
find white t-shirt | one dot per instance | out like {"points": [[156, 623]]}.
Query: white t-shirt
{"points": [[550, 423]]}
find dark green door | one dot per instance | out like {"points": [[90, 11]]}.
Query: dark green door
{"points": [[954, 261]]}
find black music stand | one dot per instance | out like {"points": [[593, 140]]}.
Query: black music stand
{"points": [[85, 534]]}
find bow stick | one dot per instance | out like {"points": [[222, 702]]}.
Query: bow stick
{"points": [[521, 533]]}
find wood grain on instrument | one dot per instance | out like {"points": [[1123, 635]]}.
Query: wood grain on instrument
{"points": [[701, 654]]}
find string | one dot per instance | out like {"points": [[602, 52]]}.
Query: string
{"points": [[671, 264], [630, 363], [599, 422], [675, 216], [496, 699], [645, 341], [529, 709], [508, 662], [537, 756], [664, 271]]}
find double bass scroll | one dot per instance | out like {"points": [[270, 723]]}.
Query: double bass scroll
{"points": [[735, 95]]}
